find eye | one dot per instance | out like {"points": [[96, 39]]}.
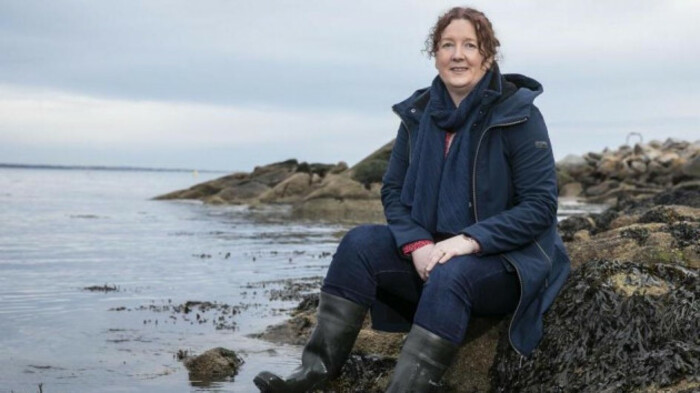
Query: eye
{"points": [[446, 45], [470, 45]]}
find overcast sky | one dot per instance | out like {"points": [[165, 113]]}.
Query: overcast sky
{"points": [[217, 84]]}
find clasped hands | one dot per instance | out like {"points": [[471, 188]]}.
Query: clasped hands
{"points": [[426, 257]]}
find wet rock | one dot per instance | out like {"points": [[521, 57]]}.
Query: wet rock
{"points": [[615, 327], [572, 224], [213, 365]]}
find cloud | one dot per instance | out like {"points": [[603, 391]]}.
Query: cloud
{"points": [[55, 119], [178, 74]]}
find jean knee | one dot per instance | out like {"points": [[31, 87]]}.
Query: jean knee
{"points": [[451, 279], [364, 237]]}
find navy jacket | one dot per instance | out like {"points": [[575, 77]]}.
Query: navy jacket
{"points": [[513, 201]]}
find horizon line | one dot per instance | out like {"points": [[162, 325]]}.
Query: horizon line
{"points": [[108, 168]]}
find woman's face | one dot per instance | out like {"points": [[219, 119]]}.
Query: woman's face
{"points": [[458, 60]]}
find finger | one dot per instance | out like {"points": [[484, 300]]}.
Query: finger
{"points": [[446, 257], [430, 265], [422, 275]]}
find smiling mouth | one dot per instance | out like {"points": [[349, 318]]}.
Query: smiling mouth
{"points": [[458, 69]]}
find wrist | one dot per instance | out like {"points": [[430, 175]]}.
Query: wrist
{"points": [[474, 246]]}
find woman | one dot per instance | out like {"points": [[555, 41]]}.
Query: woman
{"points": [[470, 197]]}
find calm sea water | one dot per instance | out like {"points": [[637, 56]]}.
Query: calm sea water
{"points": [[64, 230]]}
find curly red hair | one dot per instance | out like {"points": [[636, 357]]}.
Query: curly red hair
{"points": [[488, 43]]}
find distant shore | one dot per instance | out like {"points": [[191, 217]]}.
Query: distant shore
{"points": [[107, 168]]}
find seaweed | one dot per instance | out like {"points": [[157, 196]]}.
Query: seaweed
{"points": [[362, 374], [685, 234], [601, 339], [640, 235]]}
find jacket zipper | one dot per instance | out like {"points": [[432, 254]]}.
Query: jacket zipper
{"points": [[476, 156], [510, 325], [476, 219], [544, 253]]}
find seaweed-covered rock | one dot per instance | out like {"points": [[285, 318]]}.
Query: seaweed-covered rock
{"points": [[615, 327], [573, 224], [213, 365], [662, 228], [362, 374]]}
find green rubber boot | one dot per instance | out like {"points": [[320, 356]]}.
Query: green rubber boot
{"points": [[339, 322], [423, 360]]}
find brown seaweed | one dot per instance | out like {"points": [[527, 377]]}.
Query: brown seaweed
{"points": [[601, 339]]}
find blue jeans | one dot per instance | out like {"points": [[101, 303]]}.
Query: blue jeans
{"points": [[367, 261]]}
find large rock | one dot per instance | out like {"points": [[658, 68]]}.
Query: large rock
{"points": [[290, 189], [213, 365]]}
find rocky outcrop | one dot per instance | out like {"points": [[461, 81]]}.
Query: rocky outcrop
{"points": [[626, 321], [641, 170], [281, 182], [316, 191], [339, 193]]}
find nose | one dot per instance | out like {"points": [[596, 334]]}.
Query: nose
{"points": [[458, 53]]}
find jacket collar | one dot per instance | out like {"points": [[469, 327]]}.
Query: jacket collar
{"points": [[511, 95]]}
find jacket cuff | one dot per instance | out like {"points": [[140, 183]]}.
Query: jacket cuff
{"points": [[404, 236]]}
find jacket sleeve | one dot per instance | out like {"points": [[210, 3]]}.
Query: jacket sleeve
{"points": [[398, 215], [535, 192]]}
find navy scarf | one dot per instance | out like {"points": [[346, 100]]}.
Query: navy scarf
{"points": [[437, 187]]}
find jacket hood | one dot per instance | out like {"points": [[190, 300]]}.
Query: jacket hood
{"points": [[512, 95]]}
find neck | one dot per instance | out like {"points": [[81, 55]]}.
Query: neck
{"points": [[458, 96]]}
